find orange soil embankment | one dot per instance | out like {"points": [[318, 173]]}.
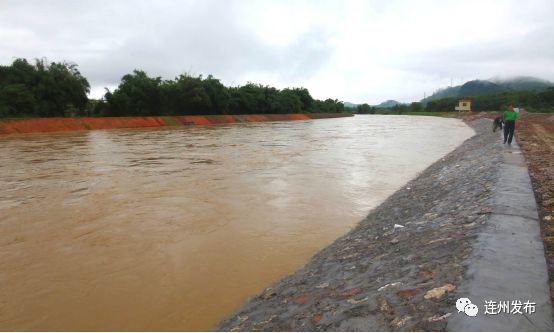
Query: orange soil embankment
{"points": [[43, 125]]}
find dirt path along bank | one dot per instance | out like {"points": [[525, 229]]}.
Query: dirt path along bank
{"points": [[535, 134]]}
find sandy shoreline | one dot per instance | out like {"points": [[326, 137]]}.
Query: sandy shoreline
{"points": [[378, 276]]}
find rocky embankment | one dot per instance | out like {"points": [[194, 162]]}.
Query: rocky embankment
{"points": [[400, 267]]}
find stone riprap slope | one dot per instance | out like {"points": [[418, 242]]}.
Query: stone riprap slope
{"points": [[400, 267]]}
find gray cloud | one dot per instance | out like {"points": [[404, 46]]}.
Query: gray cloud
{"points": [[108, 39], [504, 56], [356, 51]]}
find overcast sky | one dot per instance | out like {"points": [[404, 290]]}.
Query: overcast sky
{"points": [[356, 51]]}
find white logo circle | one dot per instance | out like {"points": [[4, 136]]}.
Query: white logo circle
{"points": [[464, 305]]}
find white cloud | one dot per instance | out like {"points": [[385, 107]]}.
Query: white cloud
{"points": [[360, 51]]}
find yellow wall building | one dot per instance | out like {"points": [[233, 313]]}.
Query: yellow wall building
{"points": [[463, 105]]}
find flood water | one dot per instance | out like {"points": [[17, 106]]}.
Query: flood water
{"points": [[171, 229]]}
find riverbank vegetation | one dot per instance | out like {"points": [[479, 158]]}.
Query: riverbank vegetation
{"points": [[139, 94], [399, 108], [532, 101], [46, 89], [42, 89]]}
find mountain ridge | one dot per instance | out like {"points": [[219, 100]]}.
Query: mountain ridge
{"points": [[383, 105], [490, 86]]}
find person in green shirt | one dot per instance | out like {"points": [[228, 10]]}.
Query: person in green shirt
{"points": [[510, 117]]}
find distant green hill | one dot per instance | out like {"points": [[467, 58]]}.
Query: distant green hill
{"points": [[387, 104], [492, 86], [384, 105], [479, 87], [524, 83], [442, 93]]}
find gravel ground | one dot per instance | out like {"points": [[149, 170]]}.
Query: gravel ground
{"points": [[399, 268], [535, 135]]}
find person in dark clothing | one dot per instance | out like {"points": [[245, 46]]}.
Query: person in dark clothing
{"points": [[509, 117], [498, 123]]}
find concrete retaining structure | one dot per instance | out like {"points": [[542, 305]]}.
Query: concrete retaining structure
{"points": [[508, 264], [45, 125]]}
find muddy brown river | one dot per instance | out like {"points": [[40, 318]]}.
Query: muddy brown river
{"points": [[171, 229]]}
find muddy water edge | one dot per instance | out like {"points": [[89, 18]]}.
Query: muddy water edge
{"points": [[171, 229]]}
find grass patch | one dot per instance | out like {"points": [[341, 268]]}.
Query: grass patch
{"points": [[238, 119], [170, 121], [445, 114], [435, 114]]}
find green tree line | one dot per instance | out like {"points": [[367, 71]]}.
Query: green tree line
{"points": [[139, 94], [42, 89], [396, 109], [533, 101], [54, 89]]}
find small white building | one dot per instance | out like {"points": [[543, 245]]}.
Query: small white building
{"points": [[463, 105]]}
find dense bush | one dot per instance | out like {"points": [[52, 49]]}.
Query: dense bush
{"points": [[58, 89], [42, 89], [139, 94]]}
